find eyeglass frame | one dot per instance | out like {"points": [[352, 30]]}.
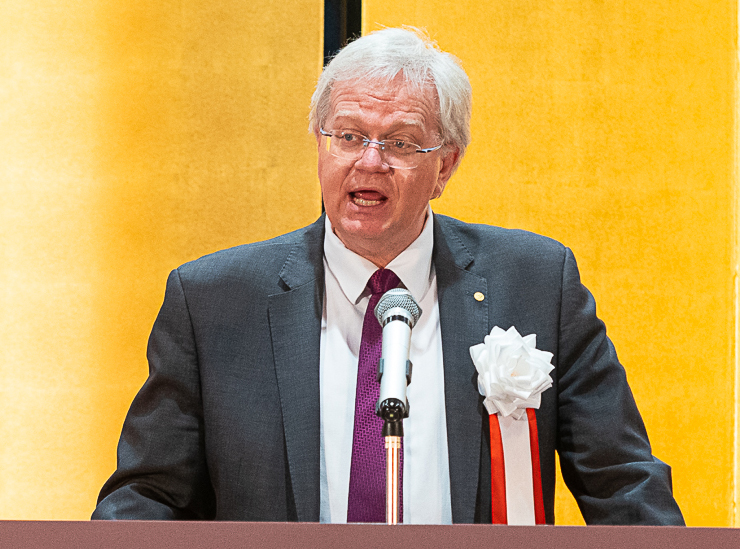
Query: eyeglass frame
{"points": [[382, 144]]}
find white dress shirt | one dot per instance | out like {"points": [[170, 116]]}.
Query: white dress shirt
{"points": [[426, 474]]}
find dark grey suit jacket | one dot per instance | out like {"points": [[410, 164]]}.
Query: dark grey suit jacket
{"points": [[227, 425]]}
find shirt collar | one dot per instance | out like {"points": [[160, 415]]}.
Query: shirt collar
{"points": [[352, 271]]}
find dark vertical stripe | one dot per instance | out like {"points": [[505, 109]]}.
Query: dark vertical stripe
{"points": [[354, 19], [342, 22]]}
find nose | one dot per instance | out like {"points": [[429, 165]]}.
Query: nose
{"points": [[372, 158]]}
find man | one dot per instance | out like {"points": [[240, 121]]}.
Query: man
{"points": [[256, 385]]}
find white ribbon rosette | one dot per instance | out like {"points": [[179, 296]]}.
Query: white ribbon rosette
{"points": [[512, 372]]}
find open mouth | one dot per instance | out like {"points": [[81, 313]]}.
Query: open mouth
{"points": [[367, 198]]}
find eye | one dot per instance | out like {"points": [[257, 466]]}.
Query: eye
{"points": [[398, 144], [350, 137]]}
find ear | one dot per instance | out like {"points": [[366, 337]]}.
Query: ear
{"points": [[449, 162]]}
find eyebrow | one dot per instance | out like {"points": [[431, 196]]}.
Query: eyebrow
{"points": [[339, 116]]}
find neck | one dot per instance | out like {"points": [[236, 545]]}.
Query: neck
{"points": [[380, 251]]}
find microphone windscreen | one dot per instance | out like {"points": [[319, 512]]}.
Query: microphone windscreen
{"points": [[398, 298]]}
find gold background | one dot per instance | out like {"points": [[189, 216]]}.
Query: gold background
{"points": [[137, 135], [609, 126]]}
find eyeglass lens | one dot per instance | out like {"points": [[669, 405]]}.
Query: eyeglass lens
{"points": [[353, 148]]}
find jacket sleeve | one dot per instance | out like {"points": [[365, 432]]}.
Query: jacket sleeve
{"points": [[161, 472], [605, 454]]}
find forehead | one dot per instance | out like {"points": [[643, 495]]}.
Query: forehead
{"points": [[383, 103]]}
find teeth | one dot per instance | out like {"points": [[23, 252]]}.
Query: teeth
{"points": [[362, 202]]}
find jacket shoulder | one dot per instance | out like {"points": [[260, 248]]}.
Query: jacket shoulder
{"points": [[488, 243], [256, 259], [260, 268]]}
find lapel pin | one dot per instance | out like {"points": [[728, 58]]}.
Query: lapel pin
{"points": [[479, 296]]}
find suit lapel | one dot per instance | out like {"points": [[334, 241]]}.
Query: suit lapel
{"points": [[295, 327], [463, 322]]}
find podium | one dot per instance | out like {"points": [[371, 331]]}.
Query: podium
{"points": [[166, 535]]}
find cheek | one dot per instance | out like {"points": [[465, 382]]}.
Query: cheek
{"points": [[423, 186], [330, 179], [325, 170]]}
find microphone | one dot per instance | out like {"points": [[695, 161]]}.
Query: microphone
{"points": [[397, 313]]}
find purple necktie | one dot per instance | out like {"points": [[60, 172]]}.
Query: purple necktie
{"points": [[367, 473]]}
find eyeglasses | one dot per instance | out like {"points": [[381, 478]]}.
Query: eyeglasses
{"points": [[395, 152]]}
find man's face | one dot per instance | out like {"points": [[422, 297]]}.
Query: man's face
{"points": [[376, 210]]}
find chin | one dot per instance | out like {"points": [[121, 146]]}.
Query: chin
{"points": [[350, 232], [361, 222]]}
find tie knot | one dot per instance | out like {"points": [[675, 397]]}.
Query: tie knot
{"points": [[382, 281]]}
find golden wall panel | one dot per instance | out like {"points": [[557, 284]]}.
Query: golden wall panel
{"points": [[609, 126], [135, 136], [139, 135]]}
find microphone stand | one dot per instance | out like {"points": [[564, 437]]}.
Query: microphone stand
{"points": [[393, 412], [397, 313]]}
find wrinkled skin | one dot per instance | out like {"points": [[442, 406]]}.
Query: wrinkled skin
{"points": [[375, 210]]}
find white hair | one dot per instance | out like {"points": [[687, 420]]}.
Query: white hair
{"points": [[382, 55]]}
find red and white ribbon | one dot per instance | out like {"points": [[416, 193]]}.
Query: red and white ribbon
{"points": [[512, 374], [516, 481]]}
